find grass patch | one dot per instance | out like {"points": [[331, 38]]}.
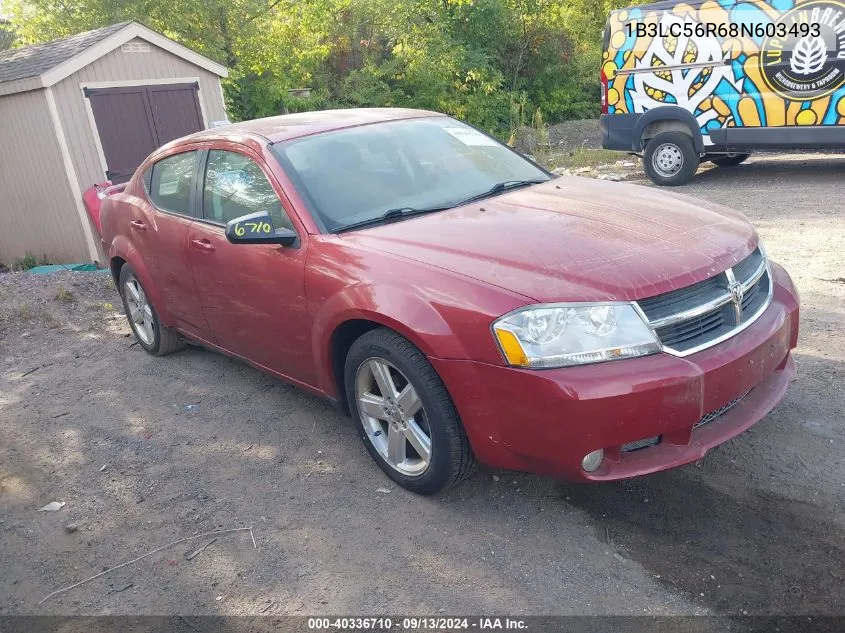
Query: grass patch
{"points": [[64, 295], [29, 261], [24, 312], [584, 157]]}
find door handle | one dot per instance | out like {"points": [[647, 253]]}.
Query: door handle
{"points": [[138, 225], [203, 245]]}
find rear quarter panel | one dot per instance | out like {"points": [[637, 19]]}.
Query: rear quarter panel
{"points": [[115, 215]]}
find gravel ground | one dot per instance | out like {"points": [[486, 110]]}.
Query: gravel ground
{"points": [[145, 451]]}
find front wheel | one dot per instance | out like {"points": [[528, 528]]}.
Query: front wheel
{"points": [[729, 160], [404, 414], [670, 159]]}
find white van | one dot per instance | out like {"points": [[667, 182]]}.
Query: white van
{"points": [[716, 80]]}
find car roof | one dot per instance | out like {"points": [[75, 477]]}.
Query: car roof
{"points": [[289, 126]]}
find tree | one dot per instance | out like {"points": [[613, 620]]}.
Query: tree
{"points": [[480, 60]]}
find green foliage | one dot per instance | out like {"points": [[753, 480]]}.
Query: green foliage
{"points": [[7, 34], [490, 62], [29, 261], [64, 295]]}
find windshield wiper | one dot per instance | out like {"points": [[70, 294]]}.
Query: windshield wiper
{"points": [[392, 214], [501, 187], [406, 212]]}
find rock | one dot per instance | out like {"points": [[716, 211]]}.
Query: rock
{"points": [[53, 506]]}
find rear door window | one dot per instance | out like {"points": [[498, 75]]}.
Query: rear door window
{"points": [[172, 181]]}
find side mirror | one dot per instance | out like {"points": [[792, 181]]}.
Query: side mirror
{"points": [[257, 228]]}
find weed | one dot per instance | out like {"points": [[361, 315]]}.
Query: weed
{"points": [[25, 263], [584, 157], [64, 295]]}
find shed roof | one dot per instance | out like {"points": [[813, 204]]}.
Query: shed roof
{"points": [[32, 61], [42, 65]]}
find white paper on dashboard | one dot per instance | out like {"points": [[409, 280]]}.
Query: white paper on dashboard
{"points": [[470, 137]]}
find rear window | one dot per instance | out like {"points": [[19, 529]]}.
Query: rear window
{"points": [[171, 182]]}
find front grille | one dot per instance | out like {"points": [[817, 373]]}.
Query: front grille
{"points": [[709, 417], [692, 318]]}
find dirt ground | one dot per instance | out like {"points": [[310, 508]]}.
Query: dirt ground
{"points": [[145, 451]]}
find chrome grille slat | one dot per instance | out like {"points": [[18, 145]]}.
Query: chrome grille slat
{"points": [[690, 319], [745, 269]]}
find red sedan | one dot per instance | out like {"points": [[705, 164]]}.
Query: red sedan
{"points": [[456, 299]]}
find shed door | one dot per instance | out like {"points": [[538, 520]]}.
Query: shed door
{"points": [[133, 121]]}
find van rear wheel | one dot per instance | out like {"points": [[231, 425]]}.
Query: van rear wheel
{"points": [[670, 159], [729, 160]]}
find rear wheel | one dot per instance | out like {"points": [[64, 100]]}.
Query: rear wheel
{"points": [[404, 414], [729, 160], [148, 330], [670, 159]]}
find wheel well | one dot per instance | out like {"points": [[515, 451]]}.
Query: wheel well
{"points": [[115, 265], [342, 339], [664, 125]]}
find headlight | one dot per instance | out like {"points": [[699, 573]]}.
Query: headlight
{"points": [[561, 335]]}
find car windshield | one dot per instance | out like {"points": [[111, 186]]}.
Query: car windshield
{"points": [[357, 176]]}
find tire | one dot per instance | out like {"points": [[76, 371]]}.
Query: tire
{"points": [[730, 160], [670, 159], [150, 334], [450, 457]]}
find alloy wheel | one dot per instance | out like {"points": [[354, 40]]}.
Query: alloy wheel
{"points": [[140, 312], [393, 416]]}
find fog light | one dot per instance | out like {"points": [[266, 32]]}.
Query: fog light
{"points": [[592, 460]]}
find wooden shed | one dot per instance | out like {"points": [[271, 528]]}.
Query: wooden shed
{"points": [[84, 109]]}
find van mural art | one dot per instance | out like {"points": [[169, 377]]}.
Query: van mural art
{"points": [[797, 79]]}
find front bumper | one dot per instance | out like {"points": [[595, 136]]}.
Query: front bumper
{"points": [[547, 421]]}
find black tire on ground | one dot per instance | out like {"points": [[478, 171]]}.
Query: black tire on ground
{"points": [[452, 459], [729, 160], [165, 340], [681, 146]]}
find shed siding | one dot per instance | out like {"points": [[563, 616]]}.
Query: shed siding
{"points": [[37, 210], [118, 66]]}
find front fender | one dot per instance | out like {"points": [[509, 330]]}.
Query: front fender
{"points": [[407, 313], [124, 249]]}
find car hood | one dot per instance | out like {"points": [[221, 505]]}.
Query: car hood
{"points": [[574, 239]]}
